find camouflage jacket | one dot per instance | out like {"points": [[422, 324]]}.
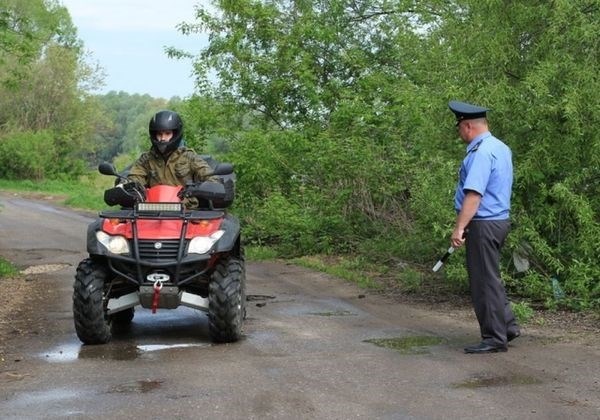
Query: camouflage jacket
{"points": [[182, 166]]}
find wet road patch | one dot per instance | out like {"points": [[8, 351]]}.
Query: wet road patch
{"points": [[137, 387], [333, 313], [488, 380], [416, 344], [112, 351], [129, 352]]}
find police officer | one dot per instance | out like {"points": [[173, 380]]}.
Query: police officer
{"points": [[482, 203], [168, 162]]}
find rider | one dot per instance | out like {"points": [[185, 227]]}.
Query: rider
{"points": [[168, 162]]}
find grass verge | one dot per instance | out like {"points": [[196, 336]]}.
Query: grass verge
{"points": [[341, 267], [86, 193], [6, 268]]}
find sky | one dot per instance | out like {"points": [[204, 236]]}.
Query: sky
{"points": [[127, 39]]}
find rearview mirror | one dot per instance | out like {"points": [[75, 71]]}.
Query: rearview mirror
{"points": [[106, 168]]}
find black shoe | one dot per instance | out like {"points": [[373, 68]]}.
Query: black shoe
{"points": [[512, 336], [484, 348]]}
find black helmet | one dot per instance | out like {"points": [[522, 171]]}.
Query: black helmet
{"points": [[166, 120]]}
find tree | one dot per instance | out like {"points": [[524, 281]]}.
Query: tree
{"points": [[43, 71], [25, 28]]}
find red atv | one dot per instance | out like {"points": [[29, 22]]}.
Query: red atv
{"points": [[155, 253]]}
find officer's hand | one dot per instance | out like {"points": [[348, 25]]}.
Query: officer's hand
{"points": [[458, 238]]}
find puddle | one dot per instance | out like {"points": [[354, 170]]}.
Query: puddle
{"points": [[43, 268], [45, 398], [130, 352], [157, 347], [65, 353], [137, 387], [486, 381], [72, 352], [407, 345], [333, 313]]}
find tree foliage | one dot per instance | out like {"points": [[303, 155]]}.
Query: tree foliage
{"points": [[52, 125], [42, 70], [541, 65], [26, 27], [347, 142]]}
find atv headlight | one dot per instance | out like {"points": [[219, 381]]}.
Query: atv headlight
{"points": [[203, 244], [115, 244]]}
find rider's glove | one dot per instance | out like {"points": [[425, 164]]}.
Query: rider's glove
{"points": [[136, 190]]}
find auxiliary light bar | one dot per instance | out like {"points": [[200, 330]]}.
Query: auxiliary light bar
{"points": [[160, 207]]}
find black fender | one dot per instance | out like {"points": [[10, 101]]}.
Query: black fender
{"points": [[93, 246], [229, 240]]}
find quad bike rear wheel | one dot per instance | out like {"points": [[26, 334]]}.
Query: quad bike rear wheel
{"points": [[226, 301], [92, 324]]}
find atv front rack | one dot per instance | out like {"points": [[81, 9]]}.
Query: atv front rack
{"points": [[162, 212]]}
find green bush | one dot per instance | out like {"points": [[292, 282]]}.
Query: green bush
{"points": [[259, 253], [282, 224], [410, 280], [523, 312], [29, 155], [455, 272], [38, 155]]}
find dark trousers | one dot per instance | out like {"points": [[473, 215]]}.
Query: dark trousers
{"points": [[484, 241]]}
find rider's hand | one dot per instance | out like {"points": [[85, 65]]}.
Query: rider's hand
{"points": [[136, 190]]}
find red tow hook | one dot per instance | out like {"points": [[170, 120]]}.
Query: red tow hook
{"points": [[157, 287]]}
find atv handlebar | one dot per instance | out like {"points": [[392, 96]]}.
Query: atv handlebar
{"points": [[223, 169], [127, 193], [205, 190]]}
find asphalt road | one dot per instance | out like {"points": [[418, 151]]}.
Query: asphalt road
{"points": [[305, 354]]}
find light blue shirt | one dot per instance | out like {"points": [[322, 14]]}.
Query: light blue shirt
{"points": [[487, 169]]}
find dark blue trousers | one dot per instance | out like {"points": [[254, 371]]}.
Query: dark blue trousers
{"points": [[484, 241]]}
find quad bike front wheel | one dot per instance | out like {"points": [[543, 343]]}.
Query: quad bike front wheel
{"points": [[92, 324], [226, 301], [123, 318]]}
